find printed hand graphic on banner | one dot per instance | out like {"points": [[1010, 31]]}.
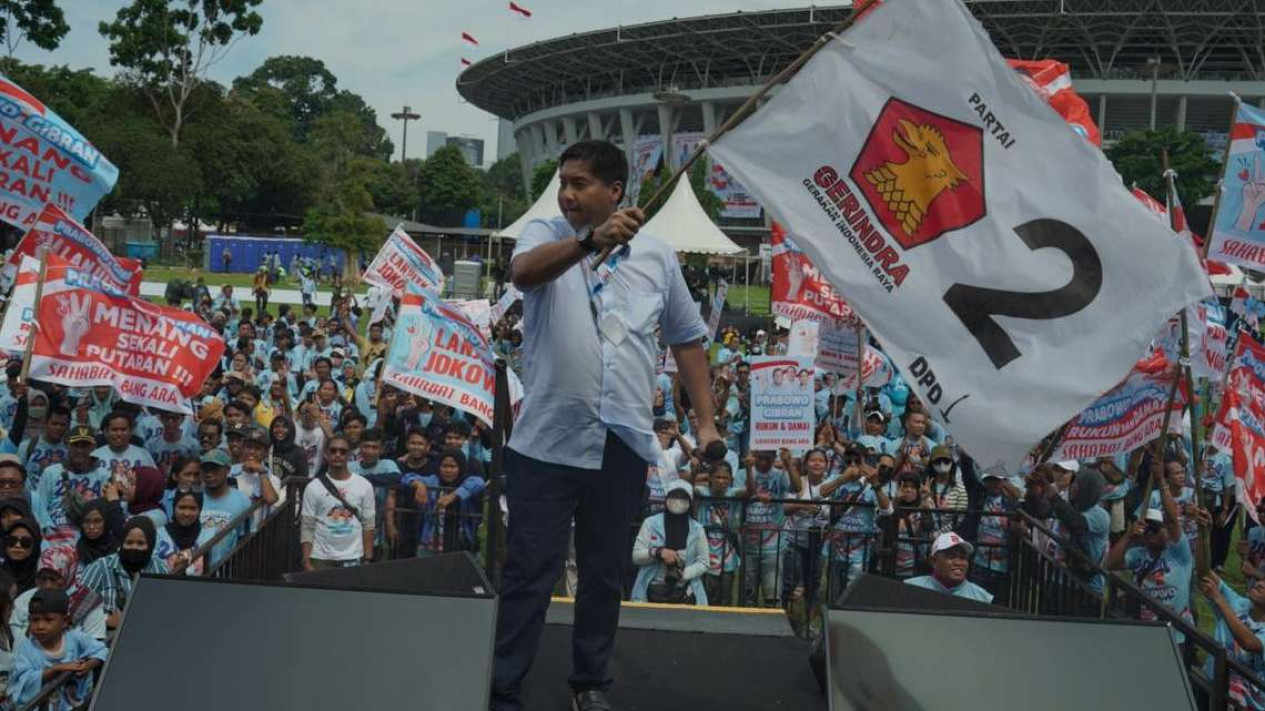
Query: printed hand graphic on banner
{"points": [[74, 322], [419, 342], [796, 278], [1253, 198]]}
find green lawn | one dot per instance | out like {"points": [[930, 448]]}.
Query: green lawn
{"points": [[215, 279], [752, 298]]}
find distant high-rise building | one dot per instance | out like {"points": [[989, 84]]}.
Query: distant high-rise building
{"points": [[471, 149], [434, 141], [506, 144]]}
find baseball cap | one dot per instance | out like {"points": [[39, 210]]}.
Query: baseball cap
{"points": [[1070, 465], [8, 458], [54, 600], [318, 333], [945, 541], [218, 457], [1154, 515], [876, 413], [81, 433], [941, 452], [257, 435], [238, 429]]}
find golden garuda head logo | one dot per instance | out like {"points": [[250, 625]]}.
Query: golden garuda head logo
{"points": [[921, 173]]}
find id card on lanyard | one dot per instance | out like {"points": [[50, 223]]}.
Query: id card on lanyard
{"points": [[611, 326]]}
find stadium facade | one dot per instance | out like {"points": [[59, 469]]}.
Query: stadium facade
{"points": [[654, 88]]}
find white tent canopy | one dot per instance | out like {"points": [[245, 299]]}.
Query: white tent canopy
{"points": [[683, 225], [544, 208]]}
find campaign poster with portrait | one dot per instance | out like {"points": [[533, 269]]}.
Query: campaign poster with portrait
{"points": [[782, 413]]}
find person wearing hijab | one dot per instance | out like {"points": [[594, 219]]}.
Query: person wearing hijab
{"points": [[285, 458], [114, 576], [59, 570], [178, 539], [451, 514], [671, 546], [100, 528], [22, 552], [13, 510], [147, 495]]}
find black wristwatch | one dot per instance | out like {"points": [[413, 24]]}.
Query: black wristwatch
{"points": [[585, 238]]}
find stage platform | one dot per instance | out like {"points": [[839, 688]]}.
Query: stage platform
{"points": [[674, 658]]}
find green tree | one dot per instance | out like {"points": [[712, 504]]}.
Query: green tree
{"points": [[504, 197], [341, 218], [541, 176], [448, 186], [303, 90], [393, 187], [165, 48], [41, 22], [1138, 158]]}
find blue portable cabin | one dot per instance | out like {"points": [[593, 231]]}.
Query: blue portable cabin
{"points": [[248, 252]]}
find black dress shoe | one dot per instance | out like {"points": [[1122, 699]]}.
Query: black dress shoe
{"points": [[591, 700]]}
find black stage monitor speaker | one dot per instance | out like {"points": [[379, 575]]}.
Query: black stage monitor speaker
{"points": [[940, 661], [873, 591], [447, 574], [201, 644]]}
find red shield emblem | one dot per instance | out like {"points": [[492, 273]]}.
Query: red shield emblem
{"points": [[921, 173]]}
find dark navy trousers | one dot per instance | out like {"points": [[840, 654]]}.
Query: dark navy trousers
{"points": [[543, 499]]}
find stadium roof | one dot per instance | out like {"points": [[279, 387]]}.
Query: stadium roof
{"points": [[1102, 39]]}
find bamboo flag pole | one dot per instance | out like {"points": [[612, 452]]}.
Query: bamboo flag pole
{"points": [[1204, 554], [743, 111], [860, 331], [35, 317]]}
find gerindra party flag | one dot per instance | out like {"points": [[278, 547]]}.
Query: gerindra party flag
{"points": [[439, 354], [994, 253], [91, 334], [45, 160], [401, 262], [1238, 235]]}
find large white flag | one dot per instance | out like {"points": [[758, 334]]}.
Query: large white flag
{"points": [[994, 252]]}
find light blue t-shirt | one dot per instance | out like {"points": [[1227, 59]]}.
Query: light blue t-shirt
{"points": [[966, 589], [87, 486], [217, 513], [1166, 578]]}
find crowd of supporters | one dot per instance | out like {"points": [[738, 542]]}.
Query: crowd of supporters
{"points": [[95, 491]]}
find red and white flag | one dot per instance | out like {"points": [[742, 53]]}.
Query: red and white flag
{"points": [[993, 253], [469, 38], [63, 236], [466, 62], [1053, 81], [1155, 206], [522, 11], [91, 334]]}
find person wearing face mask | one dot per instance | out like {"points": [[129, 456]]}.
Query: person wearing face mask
{"points": [[861, 499], [672, 553], [114, 577], [943, 482]]}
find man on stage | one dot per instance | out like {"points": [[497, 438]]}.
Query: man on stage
{"points": [[584, 438]]}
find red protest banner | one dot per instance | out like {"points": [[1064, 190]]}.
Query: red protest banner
{"points": [[1127, 416], [800, 291], [90, 334], [63, 236]]}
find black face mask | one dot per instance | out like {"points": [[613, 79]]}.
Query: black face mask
{"points": [[133, 560]]}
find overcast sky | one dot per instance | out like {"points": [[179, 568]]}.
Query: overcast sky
{"points": [[395, 52]]}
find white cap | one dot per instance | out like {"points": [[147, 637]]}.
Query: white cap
{"points": [[760, 332], [1154, 515], [679, 485], [945, 541], [1070, 465]]}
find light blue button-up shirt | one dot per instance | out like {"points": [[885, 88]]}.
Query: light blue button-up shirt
{"points": [[578, 384]]}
